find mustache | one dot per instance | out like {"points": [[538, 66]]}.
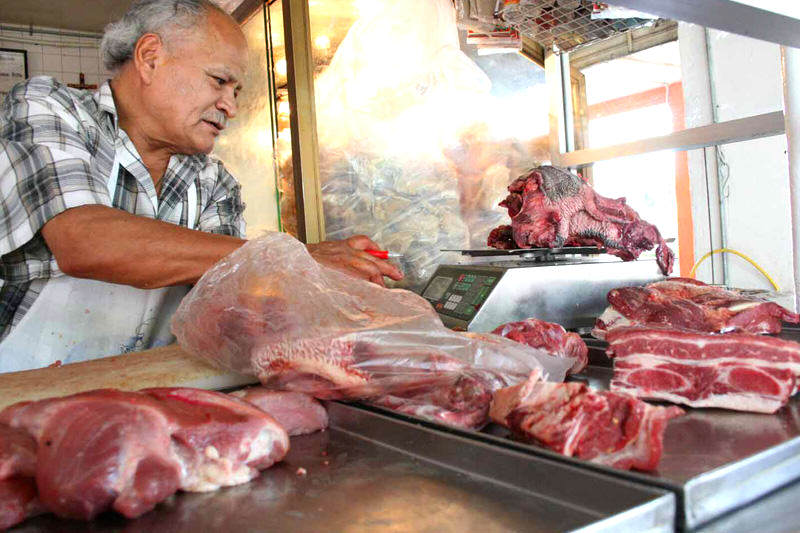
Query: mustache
{"points": [[216, 116]]}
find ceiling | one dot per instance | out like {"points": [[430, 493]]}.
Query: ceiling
{"points": [[79, 15]]}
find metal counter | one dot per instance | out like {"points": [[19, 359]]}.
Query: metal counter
{"points": [[374, 473], [715, 461]]}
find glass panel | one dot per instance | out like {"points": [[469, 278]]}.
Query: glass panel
{"points": [[633, 97], [246, 145], [419, 135]]}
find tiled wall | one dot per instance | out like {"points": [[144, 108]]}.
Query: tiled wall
{"points": [[62, 56]]}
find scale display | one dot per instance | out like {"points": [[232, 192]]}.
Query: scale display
{"points": [[460, 294]]}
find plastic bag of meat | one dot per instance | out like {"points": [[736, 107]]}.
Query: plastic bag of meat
{"points": [[270, 310]]}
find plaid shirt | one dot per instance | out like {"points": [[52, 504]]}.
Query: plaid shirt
{"points": [[57, 148]]}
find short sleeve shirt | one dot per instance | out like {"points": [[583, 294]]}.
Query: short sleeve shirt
{"points": [[57, 150]]}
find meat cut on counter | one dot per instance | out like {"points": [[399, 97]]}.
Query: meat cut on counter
{"points": [[692, 305], [736, 371], [550, 337], [127, 451], [551, 207], [608, 428], [298, 413]]}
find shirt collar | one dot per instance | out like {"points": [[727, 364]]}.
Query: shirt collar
{"points": [[105, 103]]}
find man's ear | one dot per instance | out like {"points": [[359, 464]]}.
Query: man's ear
{"points": [[146, 54]]}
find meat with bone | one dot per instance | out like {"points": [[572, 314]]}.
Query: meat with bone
{"points": [[298, 413], [127, 451], [735, 371], [684, 303], [550, 207], [550, 337], [603, 427]]}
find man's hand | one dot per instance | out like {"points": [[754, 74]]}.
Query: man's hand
{"points": [[348, 256]]}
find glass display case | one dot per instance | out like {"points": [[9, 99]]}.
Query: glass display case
{"points": [[411, 132]]}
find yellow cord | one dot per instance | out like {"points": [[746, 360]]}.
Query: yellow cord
{"points": [[740, 254]]}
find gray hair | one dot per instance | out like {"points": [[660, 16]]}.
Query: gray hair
{"points": [[166, 18]]}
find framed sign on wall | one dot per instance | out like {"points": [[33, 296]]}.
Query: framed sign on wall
{"points": [[13, 69]]}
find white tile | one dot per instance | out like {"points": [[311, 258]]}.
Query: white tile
{"points": [[89, 41], [52, 50], [88, 65], [51, 62], [11, 33], [69, 77], [36, 72], [92, 79], [70, 64], [35, 60], [72, 51]]}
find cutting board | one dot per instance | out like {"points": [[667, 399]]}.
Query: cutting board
{"points": [[168, 366]]}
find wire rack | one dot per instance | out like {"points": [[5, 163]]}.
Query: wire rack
{"points": [[563, 25]]}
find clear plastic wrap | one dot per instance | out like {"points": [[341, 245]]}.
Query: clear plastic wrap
{"points": [[397, 92], [270, 310]]}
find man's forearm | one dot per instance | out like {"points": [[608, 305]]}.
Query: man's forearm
{"points": [[106, 244]]}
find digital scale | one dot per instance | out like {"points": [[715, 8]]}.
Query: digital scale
{"points": [[567, 286]]}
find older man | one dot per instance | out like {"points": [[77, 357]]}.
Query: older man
{"points": [[110, 206]]}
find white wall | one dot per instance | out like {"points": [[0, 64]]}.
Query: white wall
{"points": [[746, 80], [742, 78], [60, 56]]}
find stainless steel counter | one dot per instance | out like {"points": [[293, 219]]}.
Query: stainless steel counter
{"points": [[715, 461], [370, 472]]}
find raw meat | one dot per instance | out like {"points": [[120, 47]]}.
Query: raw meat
{"points": [[684, 303], [734, 371], [603, 427], [550, 207], [315, 330], [127, 451], [18, 499], [550, 337], [298, 413], [462, 404]]}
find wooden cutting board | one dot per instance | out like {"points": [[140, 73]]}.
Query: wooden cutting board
{"points": [[169, 366]]}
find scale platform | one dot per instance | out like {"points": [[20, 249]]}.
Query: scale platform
{"points": [[566, 285]]}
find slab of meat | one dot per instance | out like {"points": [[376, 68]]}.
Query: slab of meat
{"points": [[550, 207], [734, 371], [298, 413], [462, 404], [550, 337], [18, 499], [692, 305], [603, 427], [128, 451]]}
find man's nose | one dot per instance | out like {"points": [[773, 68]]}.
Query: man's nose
{"points": [[227, 104]]}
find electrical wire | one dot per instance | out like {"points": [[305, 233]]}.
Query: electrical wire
{"points": [[740, 254]]}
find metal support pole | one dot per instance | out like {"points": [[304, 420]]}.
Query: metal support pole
{"points": [[303, 122], [790, 62], [704, 177]]}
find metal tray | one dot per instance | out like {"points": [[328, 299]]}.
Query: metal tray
{"points": [[714, 460], [375, 473]]}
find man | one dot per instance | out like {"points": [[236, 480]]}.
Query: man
{"points": [[110, 205]]}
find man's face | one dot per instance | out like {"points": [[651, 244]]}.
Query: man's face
{"points": [[193, 93]]}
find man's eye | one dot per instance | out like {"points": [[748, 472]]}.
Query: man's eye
{"points": [[219, 81]]}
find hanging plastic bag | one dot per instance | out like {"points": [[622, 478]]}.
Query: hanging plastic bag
{"points": [[270, 310]]}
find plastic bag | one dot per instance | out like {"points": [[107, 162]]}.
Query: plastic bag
{"points": [[397, 92], [270, 310]]}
